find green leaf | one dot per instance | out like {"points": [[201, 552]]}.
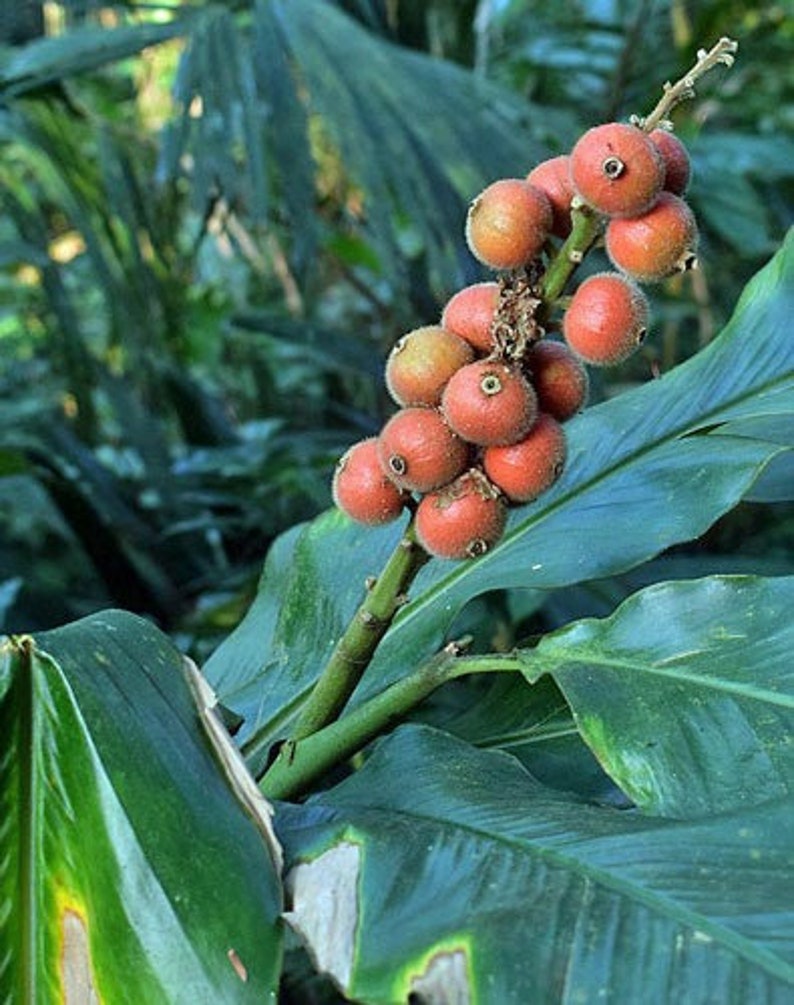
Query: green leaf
{"points": [[534, 724], [126, 858], [452, 867], [686, 693], [78, 51], [776, 483], [648, 469]]}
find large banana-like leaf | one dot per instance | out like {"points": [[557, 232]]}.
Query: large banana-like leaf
{"points": [[686, 693], [457, 877], [129, 872], [646, 470]]}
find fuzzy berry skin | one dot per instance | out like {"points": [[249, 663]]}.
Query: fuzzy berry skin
{"points": [[656, 245], [470, 313], [419, 452], [421, 363], [525, 469], [553, 177], [607, 319], [488, 402], [362, 490], [462, 520], [677, 165], [617, 170], [558, 377], [508, 223]]}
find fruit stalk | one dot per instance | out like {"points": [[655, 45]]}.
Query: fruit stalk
{"points": [[586, 228], [723, 53], [355, 648], [298, 765]]}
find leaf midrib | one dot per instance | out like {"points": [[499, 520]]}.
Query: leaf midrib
{"points": [[28, 817], [554, 667]]}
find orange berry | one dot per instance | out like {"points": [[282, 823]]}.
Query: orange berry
{"points": [[553, 177], [676, 160], [653, 246], [489, 402], [470, 312], [617, 170], [607, 319], [558, 377], [525, 469], [422, 362], [461, 520], [508, 223], [362, 490], [419, 452]]}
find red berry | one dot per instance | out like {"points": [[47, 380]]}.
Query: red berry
{"points": [[419, 452], [617, 170], [461, 520], [422, 362], [558, 377], [607, 319], [508, 223], [553, 177], [470, 313], [525, 469], [489, 402], [676, 160], [653, 246], [361, 489]]}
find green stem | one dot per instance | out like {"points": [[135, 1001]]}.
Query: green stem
{"points": [[355, 648], [722, 53], [301, 763], [586, 227]]}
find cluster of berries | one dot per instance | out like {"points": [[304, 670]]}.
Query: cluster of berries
{"points": [[483, 394]]}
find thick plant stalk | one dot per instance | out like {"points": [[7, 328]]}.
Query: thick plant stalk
{"points": [[298, 765], [355, 648]]}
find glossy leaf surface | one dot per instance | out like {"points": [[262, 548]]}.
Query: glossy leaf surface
{"points": [[454, 865], [686, 693], [128, 871]]}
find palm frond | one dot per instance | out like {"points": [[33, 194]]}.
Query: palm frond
{"points": [[419, 136]]}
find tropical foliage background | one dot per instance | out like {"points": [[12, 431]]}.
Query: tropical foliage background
{"points": [[217, 217]]}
